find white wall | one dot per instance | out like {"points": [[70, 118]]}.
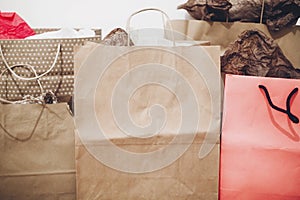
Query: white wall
{"points": [[104, 14]]}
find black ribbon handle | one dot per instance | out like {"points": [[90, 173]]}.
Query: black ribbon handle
{"points": [[292, 117]]}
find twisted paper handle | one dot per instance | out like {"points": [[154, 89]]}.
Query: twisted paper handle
{"points": [[150, 9], [27, 65], [262, 11]]}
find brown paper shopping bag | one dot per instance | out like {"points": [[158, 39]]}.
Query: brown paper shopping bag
{"points": [[37, 152], [225, 33], [148, 122], [152, 176]]}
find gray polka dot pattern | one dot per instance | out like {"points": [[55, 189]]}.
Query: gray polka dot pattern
{"points": [[39, 53]]}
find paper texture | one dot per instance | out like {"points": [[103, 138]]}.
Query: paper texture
{"points": [[188, 176], [260, 151], [37, 152], [221, 33]]}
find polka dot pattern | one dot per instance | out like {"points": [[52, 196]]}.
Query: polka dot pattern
{"points": [[41, 54]]}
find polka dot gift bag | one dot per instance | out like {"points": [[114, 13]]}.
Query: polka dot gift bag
{"points": [[52, 60]]}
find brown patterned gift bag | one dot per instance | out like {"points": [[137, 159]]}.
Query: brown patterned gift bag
{"points": [[50, 57]]}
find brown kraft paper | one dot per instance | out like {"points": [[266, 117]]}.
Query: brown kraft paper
{"points": [[37, 152], [188, 177], [225, 33]]}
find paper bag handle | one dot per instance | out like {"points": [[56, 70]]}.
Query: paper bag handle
{"points": [[44, 98], [150, 9], [30, 68], [36, 76], [9, 68], [262, 11], [292, 117]]}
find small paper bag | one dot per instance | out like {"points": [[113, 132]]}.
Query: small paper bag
{"points": [[37, 152]]}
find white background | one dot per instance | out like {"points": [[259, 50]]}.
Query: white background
{"points": [[104, 14]]}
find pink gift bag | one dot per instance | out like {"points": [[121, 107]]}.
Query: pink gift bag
{"points": [[260, 147]]}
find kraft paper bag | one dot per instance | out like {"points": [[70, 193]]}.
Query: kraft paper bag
{"points": [[224, 33], [260, 148], [37, 152], [117, 90]]}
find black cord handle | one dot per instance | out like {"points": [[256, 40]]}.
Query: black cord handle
{"points": [[292, 117]]}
